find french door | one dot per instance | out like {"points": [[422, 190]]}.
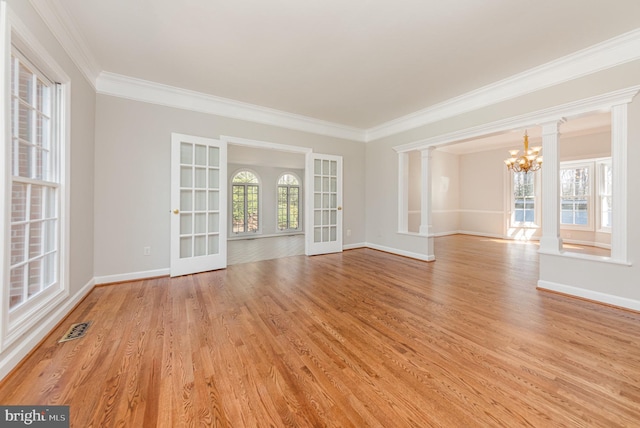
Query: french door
{"points": [[198, 204], [323, 206]]}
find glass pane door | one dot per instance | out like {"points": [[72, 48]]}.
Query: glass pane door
{"points": [[324, 174], [198, 183]]}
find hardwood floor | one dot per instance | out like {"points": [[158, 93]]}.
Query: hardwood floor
{"points": [[361, 338]]}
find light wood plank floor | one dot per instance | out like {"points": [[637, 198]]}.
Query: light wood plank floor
{"points": [[357, 339]]}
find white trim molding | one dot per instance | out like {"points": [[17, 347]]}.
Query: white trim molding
{"points": [[576, 108], [610, 53], [131, 88], [132, 276], [594, 296], [412, 255], [354, 246], [59, 21], [265, 145]]}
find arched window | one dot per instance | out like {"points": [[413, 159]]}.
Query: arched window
{"points": [[288, 202], [245, 202]]}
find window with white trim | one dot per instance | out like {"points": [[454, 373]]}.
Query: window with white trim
{"points": [[524, 205], [34, 227], [34, 181], [576, 205], [288, 202], [245, 202]]}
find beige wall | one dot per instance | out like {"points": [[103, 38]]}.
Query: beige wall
{"points": [[132, 177]]}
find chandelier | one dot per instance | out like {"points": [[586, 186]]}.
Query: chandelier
{"points": [[530, 160]]}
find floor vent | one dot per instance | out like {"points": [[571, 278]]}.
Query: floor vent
{"points": [[76, 331]]}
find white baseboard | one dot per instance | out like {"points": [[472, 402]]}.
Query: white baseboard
{"points": [[449, 233], [132, 276], [354, 246], [404, 253], [17, 352], [484, 235], [595, 296]]}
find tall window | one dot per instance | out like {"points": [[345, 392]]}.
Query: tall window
{"points": [[575, 194], [288, 202], [524, 198], [245, 202], [605, 187], [35, 156]]}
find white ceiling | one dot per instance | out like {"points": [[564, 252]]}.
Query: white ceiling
{"points": [[358, 63]]}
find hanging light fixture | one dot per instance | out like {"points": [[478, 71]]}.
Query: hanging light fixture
{"points": [[530, 160]]}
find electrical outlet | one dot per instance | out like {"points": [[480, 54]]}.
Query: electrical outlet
{"points": [[348, 232], [146, 251]]}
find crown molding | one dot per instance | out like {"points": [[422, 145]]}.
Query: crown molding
{"points": [[604, 55], [171, 96], [553, 114], [57, 18]]}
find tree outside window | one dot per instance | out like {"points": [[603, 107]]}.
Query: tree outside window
{"points": [[288, 203], [245, 202], [524, 197], [575, 196]]}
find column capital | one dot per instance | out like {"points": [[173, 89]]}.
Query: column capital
{"points": [[552, 127], [426, 153]]}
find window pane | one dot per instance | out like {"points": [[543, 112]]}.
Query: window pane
{"points": [[185, 247], [201, 155], [35, 277], [214, 156], [186, 176], [16, 286], [186, 200], [529, 216], [18, 244], [18, 202], [186, 153], [49, 232], [37, 202], [200, 223], [25, 84], [200, 246], [186, 224], [35, 239]]}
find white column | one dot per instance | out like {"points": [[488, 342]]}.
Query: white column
{"points": [[425, 195], [619, 192], [550, 242]]}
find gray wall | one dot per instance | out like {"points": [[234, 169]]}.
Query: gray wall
{"points": [[132, 177]]}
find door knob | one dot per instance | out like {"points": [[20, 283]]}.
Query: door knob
{"points": [[176, 211], [339, 208]]}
